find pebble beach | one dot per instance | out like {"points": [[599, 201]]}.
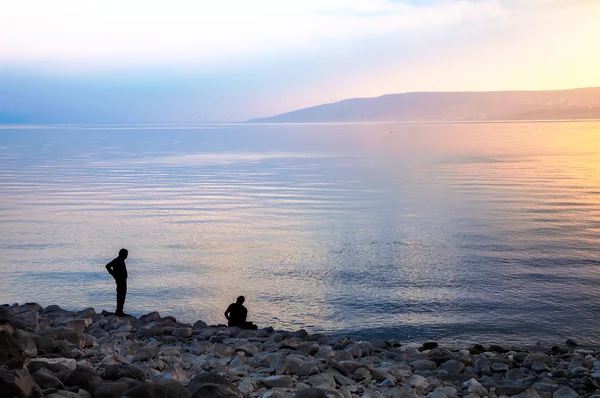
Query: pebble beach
{"points": [[54, 352]]}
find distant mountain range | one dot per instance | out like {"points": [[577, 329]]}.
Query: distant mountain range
{"points": [[583, 103]]}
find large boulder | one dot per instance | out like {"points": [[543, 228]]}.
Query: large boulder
{"points": [[84, 378], [213, 385], [73, 337], [17, 383], [115, 372]]}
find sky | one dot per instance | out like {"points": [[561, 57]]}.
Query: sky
{"points": [[189, 61]]}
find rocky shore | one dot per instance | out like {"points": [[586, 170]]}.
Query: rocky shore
{"points": [[55, 353]]}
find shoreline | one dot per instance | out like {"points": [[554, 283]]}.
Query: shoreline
{"points": [[59, 353]]}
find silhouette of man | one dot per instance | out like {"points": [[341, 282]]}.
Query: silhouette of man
{"points": [[118, 270], [236, 315]]}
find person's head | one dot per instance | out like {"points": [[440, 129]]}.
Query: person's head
{"points": [[240, 300], [123, 253]]}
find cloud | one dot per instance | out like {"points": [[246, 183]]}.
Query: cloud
{"points": [[114, 32]]}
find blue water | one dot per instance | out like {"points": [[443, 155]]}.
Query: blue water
{"points": [[486, 232]]}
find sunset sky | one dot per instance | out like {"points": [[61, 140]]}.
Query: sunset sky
{"points": [[113, 61]]}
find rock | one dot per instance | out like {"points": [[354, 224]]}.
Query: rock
{"points": [[423, 364], [362, 374], [474, 387], [249, 349], [151, 317], [200, 347], [342, 355], [565, 392], [499, 367], [571, 343], [5, 315], [453, 366], [174, 389], [115, 372], [311, 393], [44, 379], [324, 380], [529, 393], [430, 345], [145, 354], [308, 347], [53, 364], [278, 382], [150, 390], [84, 378], [16, 383], [111, 390], [536, 357], [176, 374], [440, 355], [212, 385], [545, 386], [419, 383], [497, 348], [514, 374], [183, 332], [11, 352], [199, 325], [539, 367], [75, 338]]}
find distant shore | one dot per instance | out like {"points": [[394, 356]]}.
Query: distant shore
{"points": [[59, 353]]}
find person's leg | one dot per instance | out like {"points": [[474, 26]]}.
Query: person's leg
{"points": [[121, 293]]}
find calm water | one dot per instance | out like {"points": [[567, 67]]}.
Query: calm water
{"points": [[486, 232]]}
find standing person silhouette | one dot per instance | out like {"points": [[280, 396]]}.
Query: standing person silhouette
{"points": [[118, 270], [236, 315]]}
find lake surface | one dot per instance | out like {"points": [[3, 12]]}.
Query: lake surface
{"points": [[469, 232]]}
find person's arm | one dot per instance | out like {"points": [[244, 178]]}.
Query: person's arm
{"points": [[110, 268], [227, 312]]}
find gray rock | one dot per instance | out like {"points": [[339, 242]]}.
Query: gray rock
{"points": [[172, 373], [183, 332], [308, 347], [362, 374], [199, 325], [278, 382], [150, 390], [342, 355], [323, 380], [54, 363], [249, 349], [75, 338], [200, 347], [565, 392], [529, 393], [499, 367], [545, 386], [453, 366], [515, 374], [111, 390], [5, 315], [539, 367], [145, 354], [536, 357], [423, 364], [440, 355]]}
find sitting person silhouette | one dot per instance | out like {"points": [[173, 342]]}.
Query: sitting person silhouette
{"points": [[236, 315]]}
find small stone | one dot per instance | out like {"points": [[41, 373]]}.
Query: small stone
{"points": [[183, 332], [323, 380], [539, 367], [362, 374], [453, 366], [423, 364], [499, 367], [249, 349], [278, 382]]}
